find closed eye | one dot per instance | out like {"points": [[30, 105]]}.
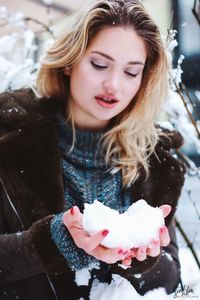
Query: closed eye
{"points": [[131, 74], [101, 67], [98, 67]]}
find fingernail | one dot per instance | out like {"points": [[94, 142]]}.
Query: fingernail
{"points": [[124, 252], [120, 251], [72, 211], [142, 250], [105, 232], [154, 244], [163, 229]]}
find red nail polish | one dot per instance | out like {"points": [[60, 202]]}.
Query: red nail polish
{"points": [[105, 232], [163, 229], [142, 250], [120, 251], [72, 211], [156, 242]]}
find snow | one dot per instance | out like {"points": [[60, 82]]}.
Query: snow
{"points": [[83, 276], [121, 288], [3, 12], [124, 267], [126, 230], [166, 125], [17, 19], [189, 219], [47, 2], [138, 276], [178, 116], [168, 255], [197, 94], [177, 72], [7, 43], [189, 270]]}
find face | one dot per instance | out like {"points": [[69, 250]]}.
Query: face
{"points": [[107, 77]]}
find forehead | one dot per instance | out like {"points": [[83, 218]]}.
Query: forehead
{"points": [[119, 42]]}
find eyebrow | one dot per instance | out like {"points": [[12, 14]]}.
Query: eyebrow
{"points": [[110, 58]]}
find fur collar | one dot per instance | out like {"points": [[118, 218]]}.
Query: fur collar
{"points": [[23, 109]]}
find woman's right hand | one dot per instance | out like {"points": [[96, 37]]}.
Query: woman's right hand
{"points": [[154, 248], [91, 244]]}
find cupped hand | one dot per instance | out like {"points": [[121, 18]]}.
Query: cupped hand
{"points": [[91, 243], [153, 249]]}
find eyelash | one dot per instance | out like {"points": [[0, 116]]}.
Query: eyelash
{"points": [[104, 67]]}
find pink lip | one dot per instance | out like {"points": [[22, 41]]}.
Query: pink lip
{"points": [[105, 104]]}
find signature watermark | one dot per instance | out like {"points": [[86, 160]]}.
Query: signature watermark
{"points": [[185, 292]]}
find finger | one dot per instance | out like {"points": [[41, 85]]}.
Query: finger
{"points": [[110, 255], [166, 209], [127, 261], [118, 255], [131, 253], [124, 254], [164, 236], [72, 217], [97, 238], [141, 253], [154, 249]]}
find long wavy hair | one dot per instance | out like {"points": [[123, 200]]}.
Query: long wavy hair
{"points": [[132, 137]]}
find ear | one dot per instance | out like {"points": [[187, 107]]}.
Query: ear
{"points": [[67, 71]]}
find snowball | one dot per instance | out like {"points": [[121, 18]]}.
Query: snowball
{"points": [[136, 227]]}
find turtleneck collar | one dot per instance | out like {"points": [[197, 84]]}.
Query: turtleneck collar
{"points": [[86, 151]]}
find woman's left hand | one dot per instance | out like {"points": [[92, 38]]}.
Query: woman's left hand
{"points": [[153, 249]]}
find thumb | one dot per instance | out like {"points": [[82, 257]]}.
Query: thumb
{"points": [[166, 209], [72, 216], [97, 238]]}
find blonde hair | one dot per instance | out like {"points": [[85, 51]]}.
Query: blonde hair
{"points": [[133, 135]]}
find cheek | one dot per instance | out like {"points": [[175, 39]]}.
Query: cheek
{"points": [[83, 80], [132, 89]]}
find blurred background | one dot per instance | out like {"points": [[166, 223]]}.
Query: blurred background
{"points": [[28, 27]]}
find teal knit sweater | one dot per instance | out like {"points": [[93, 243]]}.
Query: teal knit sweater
{"points": [[86, 178]]}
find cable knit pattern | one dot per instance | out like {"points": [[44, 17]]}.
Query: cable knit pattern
{"points": [[86, 178]]}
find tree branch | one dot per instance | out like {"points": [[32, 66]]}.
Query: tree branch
{"points": [[188, 242], [189, 113]]}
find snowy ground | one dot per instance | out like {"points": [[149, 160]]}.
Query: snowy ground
{"points": [[188, 217], [186, 213]]}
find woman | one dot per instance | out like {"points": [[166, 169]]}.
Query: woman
{"points": [[91, 135]]}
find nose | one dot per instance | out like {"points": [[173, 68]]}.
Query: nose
{"points": [[112, 83]]}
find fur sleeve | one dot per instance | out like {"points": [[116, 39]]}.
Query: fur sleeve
{"points": [[29, 253], [166, 175], [40, 235]]}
